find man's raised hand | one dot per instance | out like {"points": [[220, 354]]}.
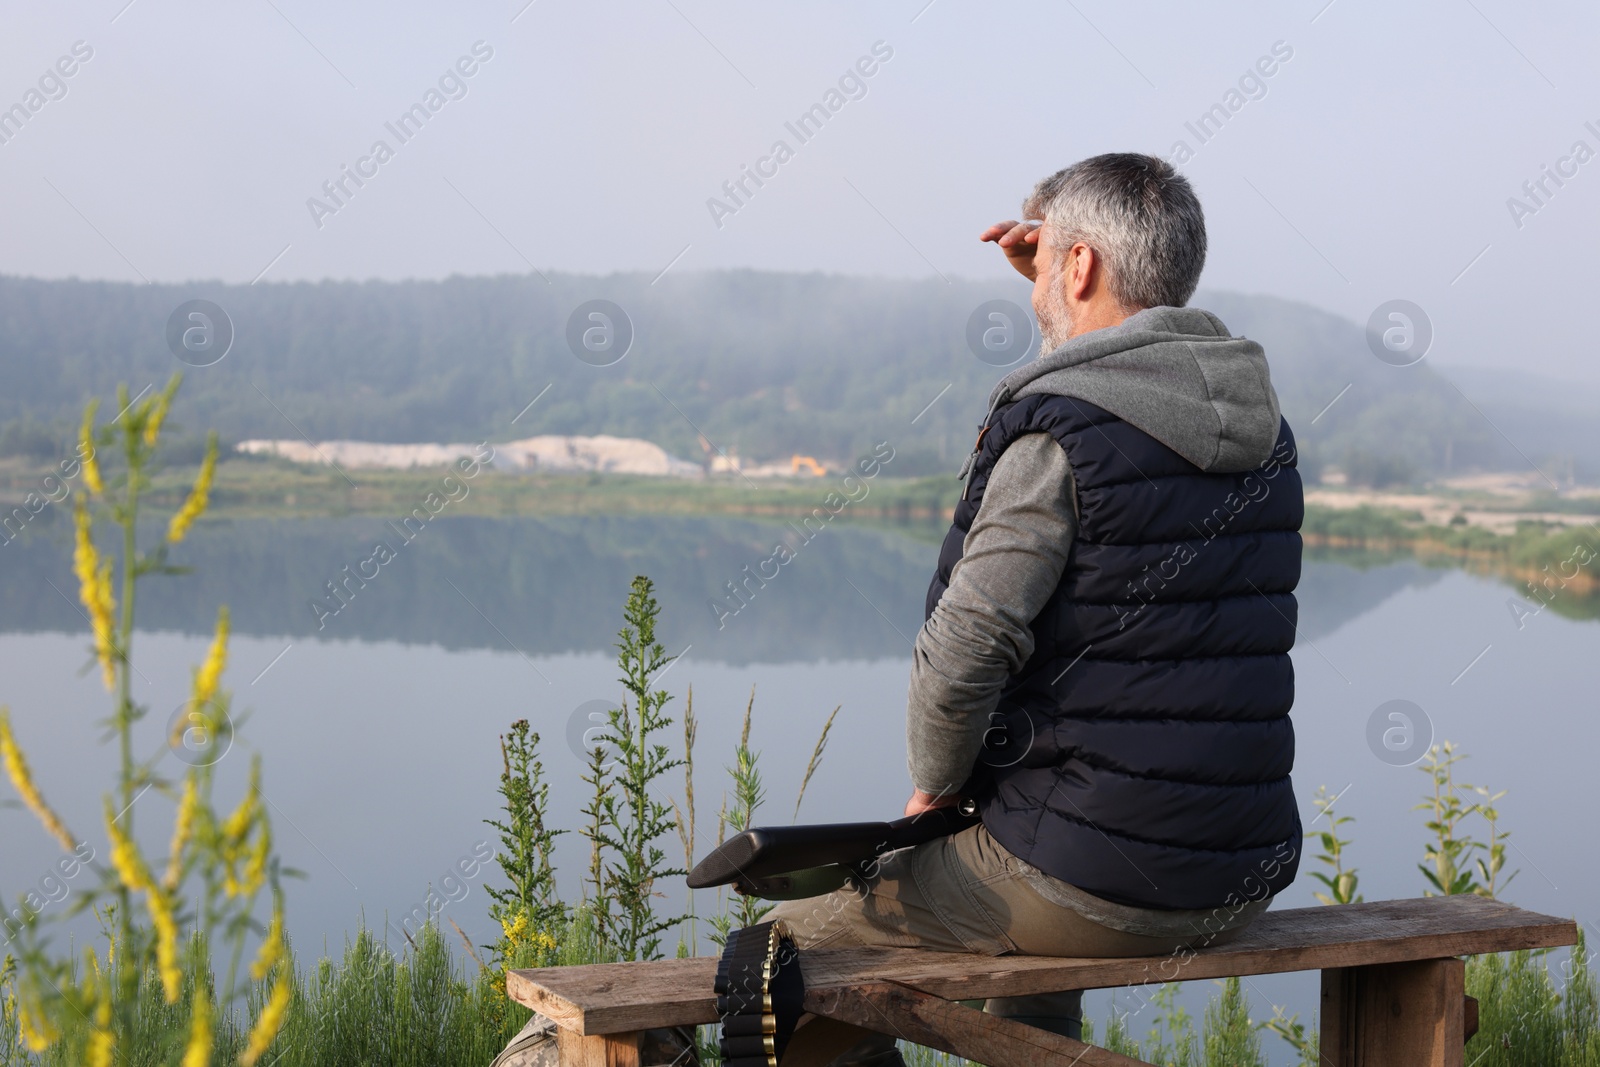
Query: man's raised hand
{"points": [[1018, 240]]}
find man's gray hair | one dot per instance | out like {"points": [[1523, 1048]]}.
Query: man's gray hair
{"points": [[1139, 215]]}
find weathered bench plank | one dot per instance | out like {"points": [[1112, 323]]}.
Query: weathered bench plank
{"points": [[612, 998]]}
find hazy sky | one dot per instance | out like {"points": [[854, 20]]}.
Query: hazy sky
{"points": [[1375, 162]]}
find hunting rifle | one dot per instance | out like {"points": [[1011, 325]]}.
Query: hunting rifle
{"points": [[789, 862]]}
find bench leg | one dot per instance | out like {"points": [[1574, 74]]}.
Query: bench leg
{"points": [[1395, 1015], [598, 1050], [818, 1041]]}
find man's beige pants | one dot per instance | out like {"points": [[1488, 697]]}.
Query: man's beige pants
{"points": [[965, 893]]}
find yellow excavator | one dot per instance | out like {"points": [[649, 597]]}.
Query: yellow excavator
{"points": [[799, 462]]}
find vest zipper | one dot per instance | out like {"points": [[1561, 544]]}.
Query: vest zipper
{"points": [[971, 464]]}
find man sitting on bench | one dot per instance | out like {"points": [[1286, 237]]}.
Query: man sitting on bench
{"points": [[1104, 667]]}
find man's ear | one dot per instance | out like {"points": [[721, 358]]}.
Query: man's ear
{"points": [[1082, 267]]}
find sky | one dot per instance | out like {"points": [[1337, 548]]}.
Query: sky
{"points": [[1383, 158]]}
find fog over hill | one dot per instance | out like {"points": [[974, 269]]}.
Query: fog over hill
{"points": [[765, 364]]}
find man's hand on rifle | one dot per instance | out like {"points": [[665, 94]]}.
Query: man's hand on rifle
{"points": [[921, 802], [1018, 240]]}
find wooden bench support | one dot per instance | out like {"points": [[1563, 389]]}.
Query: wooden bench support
{"points": [[1395, 1015], [630, 1048], [952, 1027], [598, 1050]]}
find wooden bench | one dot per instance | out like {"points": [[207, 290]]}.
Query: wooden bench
{"points": [[1392, 988]]}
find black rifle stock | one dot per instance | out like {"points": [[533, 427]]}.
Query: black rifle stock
{"points": [[796, 861]]}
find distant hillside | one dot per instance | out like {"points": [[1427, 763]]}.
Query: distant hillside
{"points": [[1549, 418], [767, 364]]}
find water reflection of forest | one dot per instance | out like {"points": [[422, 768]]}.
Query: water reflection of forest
{"points": [[550, 586]]}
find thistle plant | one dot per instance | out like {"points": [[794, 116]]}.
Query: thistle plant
{"points": [[159, 922], [685, 820], [629, 821], [527, 841], [596, 897], [533, 920]]}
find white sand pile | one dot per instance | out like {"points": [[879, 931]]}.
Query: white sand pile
{"points": [[617, 455]]}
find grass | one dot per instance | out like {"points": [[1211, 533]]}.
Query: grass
{"points": [[370, 1007]]}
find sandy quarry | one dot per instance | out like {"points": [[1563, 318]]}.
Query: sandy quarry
{"points": [[603, 453]]}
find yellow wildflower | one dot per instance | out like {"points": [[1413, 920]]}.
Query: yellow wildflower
{"points": [[153, 420], [91, 466], [156, 410], [210, 672], [238, 824], [255, 871], [271, 950], [166, 943], [38, 1031], [516, 928], [102, 1048], [198, 1054], [271, 1020], [236, 830], [94, 589], [125, 858], [22, 779], [135, 875], [198, 496], [182, 831], [103, 1042]]}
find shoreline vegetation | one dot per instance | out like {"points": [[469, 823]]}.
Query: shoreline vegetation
{"points": [[1548, 562]]}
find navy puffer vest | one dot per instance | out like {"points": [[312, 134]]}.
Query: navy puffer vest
{"points": [[1143, 751]]}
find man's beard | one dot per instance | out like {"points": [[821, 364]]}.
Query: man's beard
{"points": [[1055, 318]]}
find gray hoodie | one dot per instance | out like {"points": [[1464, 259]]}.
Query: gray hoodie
{"points": [[1174, 373]]}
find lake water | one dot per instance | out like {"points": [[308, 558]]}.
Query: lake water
{"points": [[379, 728]]}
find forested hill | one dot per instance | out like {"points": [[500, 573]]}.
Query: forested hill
{"points": [[766, 363]]}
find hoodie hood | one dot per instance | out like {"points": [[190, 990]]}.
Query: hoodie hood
{"points": [[1174, 373]]}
